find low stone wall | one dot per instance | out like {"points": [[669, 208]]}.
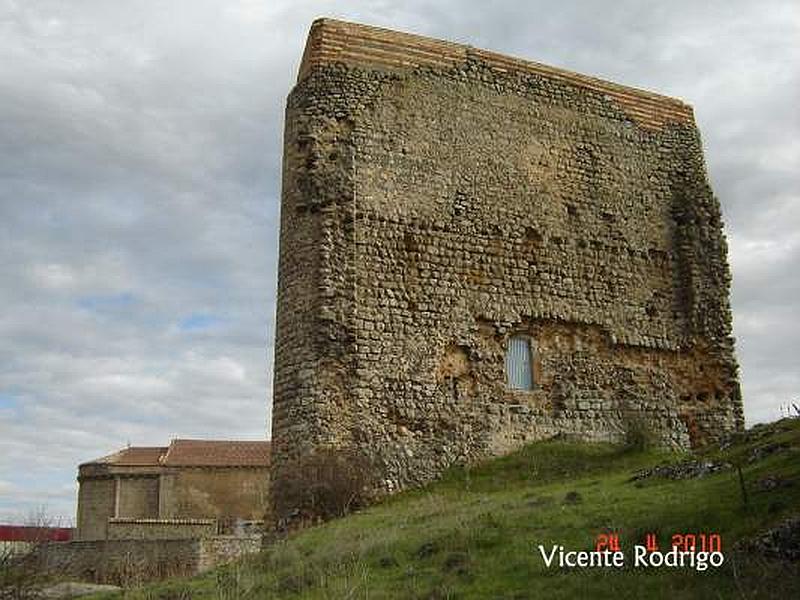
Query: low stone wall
{"points": [[223, 549], [121, 562], [131, 562], [160, 529]]}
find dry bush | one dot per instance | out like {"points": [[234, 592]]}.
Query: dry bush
{"points": [[326, 484], [18, 580]]}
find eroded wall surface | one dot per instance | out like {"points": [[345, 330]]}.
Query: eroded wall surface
{"points": [[217, 493], [438, 199]]}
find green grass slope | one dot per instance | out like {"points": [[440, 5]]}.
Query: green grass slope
{"points": [[475, 533]]}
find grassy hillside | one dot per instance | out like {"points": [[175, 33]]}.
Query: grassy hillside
{"points": [[475, 533]]}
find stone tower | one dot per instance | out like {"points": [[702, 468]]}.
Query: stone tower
{"points": [[478, 251]]}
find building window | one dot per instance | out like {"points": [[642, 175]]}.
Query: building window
{"points": [[519, 363]]}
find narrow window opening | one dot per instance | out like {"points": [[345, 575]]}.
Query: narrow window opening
{"points": [[519, 363]]}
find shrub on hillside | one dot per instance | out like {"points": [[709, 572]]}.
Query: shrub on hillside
{"points": [[328, 483]]}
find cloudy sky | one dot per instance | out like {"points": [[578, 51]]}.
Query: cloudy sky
{"points": [[139, 185]]}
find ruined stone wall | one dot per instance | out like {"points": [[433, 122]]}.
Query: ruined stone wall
{"points": [[438, 199]]}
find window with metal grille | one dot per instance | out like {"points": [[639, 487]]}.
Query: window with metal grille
{"points": [[519, 363]]}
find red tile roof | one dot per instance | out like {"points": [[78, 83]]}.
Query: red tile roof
{"points": [[215, 453], [192, 453], [133, 456]]}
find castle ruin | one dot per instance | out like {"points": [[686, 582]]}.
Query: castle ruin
{"points": [[478, 251]]}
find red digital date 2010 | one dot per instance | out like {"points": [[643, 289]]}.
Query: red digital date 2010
{"points": [[697, 542]]}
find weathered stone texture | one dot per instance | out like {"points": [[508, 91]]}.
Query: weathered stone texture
{"points": [[135, 561], [438, 199], [217, 492]]}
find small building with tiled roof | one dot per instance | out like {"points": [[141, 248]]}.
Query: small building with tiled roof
{"points": [[187, 489]]}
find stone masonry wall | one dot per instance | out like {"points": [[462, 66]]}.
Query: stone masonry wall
{"points": [[96, 502], [438, 199], [132, 562], [138, 497], [217, 492], [160, 529]]}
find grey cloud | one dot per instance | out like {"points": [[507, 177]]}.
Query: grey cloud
{"points": [[140, 149]]}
